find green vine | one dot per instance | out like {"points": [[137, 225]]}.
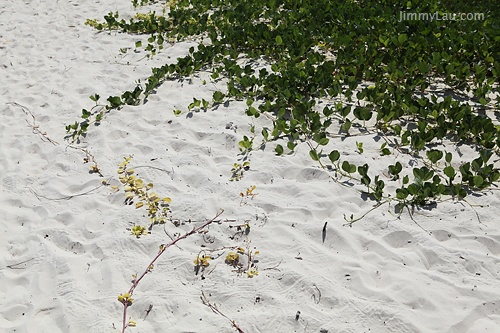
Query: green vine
{"points": [[372, 70]]}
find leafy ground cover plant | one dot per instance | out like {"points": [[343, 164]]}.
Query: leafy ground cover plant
{"points": [[238, 170], [135, 188], [248, 194], [373, 71], [243, 260], [413, 83], [126, 298]]}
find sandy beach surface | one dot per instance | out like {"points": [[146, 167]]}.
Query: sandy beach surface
{"points": [[66, 249]]}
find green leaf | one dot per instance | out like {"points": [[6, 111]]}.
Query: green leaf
{"points": [[485, 155], [366, 180], [279, 149], [290, 145], [279, 41], [427, 173], [442, 189], [360, 147], [85, 114], [323, 141], [363, 170], [95, 97], [252, 111], [478, 181], [265, 134], [344, 112], [138, 44], [345, 166], [423, 67], [412, 188], [218, 96], [384, 41], [334, 156], [385, 151], [347, 125], [287, 93], [418, 173], [281, 112], [494, 176], [402, 38], [395, 169], [115, 101], [401, 193], [349, 168], [314, 155], [397, 129], [434, 155], [83, 127], [450, 172], [476, 164]]}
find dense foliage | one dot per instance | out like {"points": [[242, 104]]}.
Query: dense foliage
{"points": [[373, 63]]}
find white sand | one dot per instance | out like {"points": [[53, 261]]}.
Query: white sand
{"points": [[64, 262]]}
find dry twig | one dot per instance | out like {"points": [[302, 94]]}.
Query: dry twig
{"points": [[214, 308], [34, 126], [69, 196], [95, 167]]}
